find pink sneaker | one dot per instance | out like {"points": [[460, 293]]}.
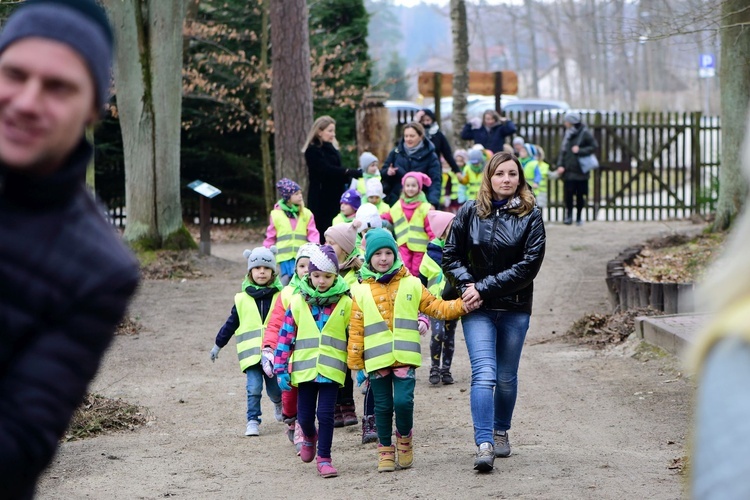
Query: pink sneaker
{"points": [[298, 437], [307, 451], [325, 469]]}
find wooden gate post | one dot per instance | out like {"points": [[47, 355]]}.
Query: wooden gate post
{"points": [[438, 96], [373, 125], [695, 164]]}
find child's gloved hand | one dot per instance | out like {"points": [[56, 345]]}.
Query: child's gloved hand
{"points": [[284, 381], [215, 352], [361, 377], [266, 361], [422, 325]]}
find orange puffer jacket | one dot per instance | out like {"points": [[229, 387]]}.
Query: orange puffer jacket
{"points": [[385, 297]]}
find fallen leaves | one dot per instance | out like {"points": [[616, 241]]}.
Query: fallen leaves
{"points": [[601, 330], [97, 415]]}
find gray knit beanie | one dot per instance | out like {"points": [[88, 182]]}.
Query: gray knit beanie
{"points": [[261, 257], [80, 24]]}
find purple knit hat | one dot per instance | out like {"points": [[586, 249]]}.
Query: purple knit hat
{"points": [[287, 188], [324, 259], [351, 196]]}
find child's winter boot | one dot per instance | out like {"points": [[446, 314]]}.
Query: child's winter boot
{"points": [[325, 468], [307, 452], [338, 416], [405, 450], [386, 458], [349, 415], [369, 430]]}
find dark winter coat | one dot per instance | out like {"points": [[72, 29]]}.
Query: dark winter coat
{"points": [[425, 160], [443, 148], [501, 254], [328, 181], [65, 282], [492, 139], [584, 139]]}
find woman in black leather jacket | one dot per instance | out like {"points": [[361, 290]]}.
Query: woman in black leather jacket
{"points": [[493, 253]]}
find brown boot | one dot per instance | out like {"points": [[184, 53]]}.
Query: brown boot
{"points": [[349, 415], [405, 450], [386, 458], [338, 416]]}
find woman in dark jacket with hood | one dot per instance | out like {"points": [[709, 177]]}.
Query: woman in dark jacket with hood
{"points": [[492, 255], [328, 177], [578, 141], [490, 132], [426, 118], [414, 153]]}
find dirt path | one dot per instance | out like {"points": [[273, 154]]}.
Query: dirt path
{"points": [[588, 424]]}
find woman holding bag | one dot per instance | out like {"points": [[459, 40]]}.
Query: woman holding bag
{"points": [[492, 255], [577, 142]]}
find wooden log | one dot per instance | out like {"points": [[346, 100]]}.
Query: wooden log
{"points": [[657, 296], [670, 298], [372, 126]]}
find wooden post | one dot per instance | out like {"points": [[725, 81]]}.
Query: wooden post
{"points": [[373, 125], [438, 96], [696, 200], [498, 90], [205, 221]]}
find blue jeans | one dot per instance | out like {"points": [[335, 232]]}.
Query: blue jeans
{"points": [[494, 340], [255, 378]]}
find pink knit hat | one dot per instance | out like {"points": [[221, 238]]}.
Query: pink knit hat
{"points": [[422, 179], [439, 220], [344, 235]]}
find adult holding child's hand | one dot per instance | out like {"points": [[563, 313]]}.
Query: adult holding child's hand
{"points": [[492, 255]]}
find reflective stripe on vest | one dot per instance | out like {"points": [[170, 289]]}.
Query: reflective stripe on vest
{"points": [[411, 233], [434, 274], [384, 347], [249, 335], [475, 182], [319, 352], [454, 184], [289, 240]]}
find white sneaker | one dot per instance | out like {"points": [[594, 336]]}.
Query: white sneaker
{"points": [[252, 428], [277, 412]]}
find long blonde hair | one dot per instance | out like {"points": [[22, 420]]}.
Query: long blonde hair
{"points": [[322, 123], [485, 194]]}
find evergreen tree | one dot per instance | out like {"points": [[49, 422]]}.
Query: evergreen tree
{"points": [[395, 78]]}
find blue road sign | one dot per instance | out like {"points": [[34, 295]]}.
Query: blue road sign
{"points": [[707, 61]]}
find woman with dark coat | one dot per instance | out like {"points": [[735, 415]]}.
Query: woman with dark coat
{"points": [[432, 131], [328, 177], [414, 153], [490, 132], [492, 255], [578, 141]]}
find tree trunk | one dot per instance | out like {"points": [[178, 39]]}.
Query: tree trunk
{"points": [[291, 93], [734, 81], [532, 27], [269, 191], [148, 75], [460, 68]]}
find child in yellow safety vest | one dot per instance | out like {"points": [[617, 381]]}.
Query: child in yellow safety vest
{"points": [[462, 157], [247, 322], [350, 202], [375, 195], [387, 305], [291, 226], [450, 187], [409, 218], [313, 339], [271, 339], [443, 336], [370, 167], [473, 173]]}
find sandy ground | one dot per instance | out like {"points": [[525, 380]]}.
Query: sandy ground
{"points": [[588, 423]]}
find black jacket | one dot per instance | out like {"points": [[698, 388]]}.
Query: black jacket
{"points": [[584, 139], [65, 282], [443, 148], [501, 254], [328, 181], [425, 160], [492, 139]]}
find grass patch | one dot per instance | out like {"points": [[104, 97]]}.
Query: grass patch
{"points": [[677, 258], [98, 415], [169, 264]]}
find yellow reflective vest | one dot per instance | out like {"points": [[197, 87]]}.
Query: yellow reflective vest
{"points": [[383, 207], [433, 272], [454, 184], [249, 335], [384, 347], [411, 233], [473, 181], [320, 352], [288, 241], [340, 219]]}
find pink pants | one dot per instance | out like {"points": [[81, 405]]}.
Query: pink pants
{"points": [[289, 403], [411, 259]]}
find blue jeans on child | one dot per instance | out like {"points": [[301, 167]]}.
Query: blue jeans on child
{"points": [[494, 340], [255, 378]]}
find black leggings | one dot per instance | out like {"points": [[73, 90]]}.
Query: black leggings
{"points": [[579, 189]]}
